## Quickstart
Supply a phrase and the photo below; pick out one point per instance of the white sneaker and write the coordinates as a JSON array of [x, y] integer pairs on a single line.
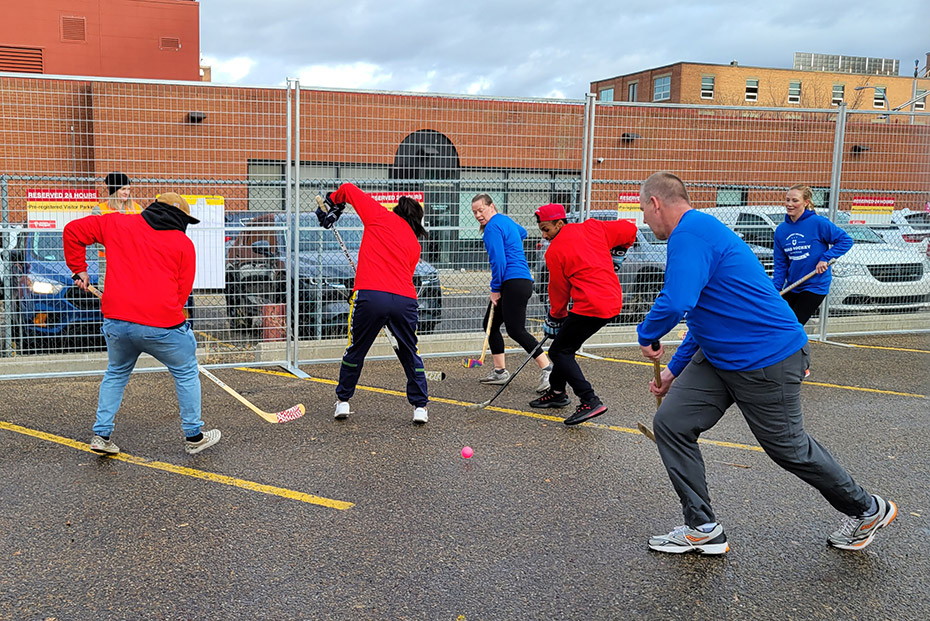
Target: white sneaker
[[342, 410], [210, 438], [420, 416], [103, 447]]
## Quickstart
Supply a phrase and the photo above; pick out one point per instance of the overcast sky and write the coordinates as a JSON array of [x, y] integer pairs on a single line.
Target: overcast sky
[[536, 48]]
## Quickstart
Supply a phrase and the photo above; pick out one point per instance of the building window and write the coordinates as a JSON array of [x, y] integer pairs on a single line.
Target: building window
[[606, 94], [752, 90], [707, 87], [838, 91], [632, 91], [878, 100], [662, 88], [794, 91], [921, 104], [732, 196]]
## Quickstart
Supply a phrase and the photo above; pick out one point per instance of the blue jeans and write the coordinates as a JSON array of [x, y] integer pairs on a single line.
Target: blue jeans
[[175, 348]]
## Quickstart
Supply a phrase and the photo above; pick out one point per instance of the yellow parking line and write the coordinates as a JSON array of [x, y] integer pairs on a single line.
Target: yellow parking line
[[188, 472], [917, 351], [808, 382], [491, 408]]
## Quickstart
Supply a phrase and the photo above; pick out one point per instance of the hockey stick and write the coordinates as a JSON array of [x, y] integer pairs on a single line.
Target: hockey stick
[[471, 362], [484, 404], [804, 279], [657, 370], [283, 416], [430, 375]]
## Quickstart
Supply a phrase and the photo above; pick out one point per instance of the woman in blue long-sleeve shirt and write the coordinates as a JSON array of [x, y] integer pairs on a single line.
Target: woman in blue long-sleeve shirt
[[511, 288], [805, 242]]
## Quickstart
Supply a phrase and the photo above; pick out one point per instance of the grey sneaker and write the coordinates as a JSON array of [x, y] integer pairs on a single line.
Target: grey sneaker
[[857, 532], [420, 416], [209, 439], [543, 385], [496, 377], [104, 447], [687, 539]]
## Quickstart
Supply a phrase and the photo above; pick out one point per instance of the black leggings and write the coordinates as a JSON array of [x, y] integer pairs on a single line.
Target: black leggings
[[511, 312], [574, 332], [804, 304]]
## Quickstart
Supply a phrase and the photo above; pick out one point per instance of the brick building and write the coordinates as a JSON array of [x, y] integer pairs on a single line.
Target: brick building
[[153, 39], [801, 87]]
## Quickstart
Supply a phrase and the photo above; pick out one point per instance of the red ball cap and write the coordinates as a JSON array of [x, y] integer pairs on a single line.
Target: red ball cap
[[552, 211]]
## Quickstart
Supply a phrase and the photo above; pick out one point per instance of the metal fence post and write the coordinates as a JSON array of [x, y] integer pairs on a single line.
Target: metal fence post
[[6, 279], [835, 175], [582, 194], [589, 153]]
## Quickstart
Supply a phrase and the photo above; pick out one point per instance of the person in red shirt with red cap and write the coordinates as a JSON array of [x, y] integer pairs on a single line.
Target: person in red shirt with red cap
[[384, 293], [581, 271]]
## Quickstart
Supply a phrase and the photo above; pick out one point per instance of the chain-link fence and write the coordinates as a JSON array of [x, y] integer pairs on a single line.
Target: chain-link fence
[[272, 286]]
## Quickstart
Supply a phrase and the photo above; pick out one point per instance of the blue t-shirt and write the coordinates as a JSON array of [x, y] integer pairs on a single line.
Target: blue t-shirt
[[503, 239], [715, 282], [800, 245]]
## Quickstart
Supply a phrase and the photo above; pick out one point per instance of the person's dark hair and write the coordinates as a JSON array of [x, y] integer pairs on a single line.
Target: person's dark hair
[[412, 213]]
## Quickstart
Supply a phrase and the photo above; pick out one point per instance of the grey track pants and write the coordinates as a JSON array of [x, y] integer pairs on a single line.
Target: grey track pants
[[770, 400]]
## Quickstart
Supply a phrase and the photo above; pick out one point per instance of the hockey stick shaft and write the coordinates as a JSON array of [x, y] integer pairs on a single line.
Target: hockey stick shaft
[[804, 279], [532, 354], [487, 333], [290, 413]]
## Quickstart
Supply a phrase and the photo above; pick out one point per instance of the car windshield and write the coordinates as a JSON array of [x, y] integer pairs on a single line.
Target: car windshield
[[776, 216], [862, 234], [919, 220], [312, 236], [48, 246]]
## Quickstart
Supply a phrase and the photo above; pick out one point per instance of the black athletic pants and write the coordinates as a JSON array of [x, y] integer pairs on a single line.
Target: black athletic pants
[[804, 304], [575, 331], [511, 312]]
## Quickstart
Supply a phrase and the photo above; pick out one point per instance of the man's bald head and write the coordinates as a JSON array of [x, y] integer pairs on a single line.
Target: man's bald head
[[663, 199], [666, 186]]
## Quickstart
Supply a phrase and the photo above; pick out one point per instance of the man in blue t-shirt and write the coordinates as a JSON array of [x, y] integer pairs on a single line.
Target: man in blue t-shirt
[[744, 346]]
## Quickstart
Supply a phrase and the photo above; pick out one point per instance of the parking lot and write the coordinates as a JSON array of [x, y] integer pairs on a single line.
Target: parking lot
[[374, 518]]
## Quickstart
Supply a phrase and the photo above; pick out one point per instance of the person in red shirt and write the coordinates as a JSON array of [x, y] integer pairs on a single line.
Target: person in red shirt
[[384, 294], [151, 263], [581, 271]]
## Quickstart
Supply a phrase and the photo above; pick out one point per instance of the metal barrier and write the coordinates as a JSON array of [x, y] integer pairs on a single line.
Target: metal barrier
[[272, 285]]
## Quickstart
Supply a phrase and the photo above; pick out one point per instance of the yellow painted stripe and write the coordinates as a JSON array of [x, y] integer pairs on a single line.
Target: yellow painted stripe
[[188, 472], [917, 351], [810, 383], [861, 389], [491, 408]]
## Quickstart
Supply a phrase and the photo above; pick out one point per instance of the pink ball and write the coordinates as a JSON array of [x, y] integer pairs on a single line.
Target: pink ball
[[467, 452]]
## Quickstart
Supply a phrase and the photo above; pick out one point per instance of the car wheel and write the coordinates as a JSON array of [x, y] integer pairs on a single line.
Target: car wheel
[[644, 292]]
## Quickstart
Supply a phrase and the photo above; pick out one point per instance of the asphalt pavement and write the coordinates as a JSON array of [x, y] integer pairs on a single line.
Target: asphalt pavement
[[376, 518]]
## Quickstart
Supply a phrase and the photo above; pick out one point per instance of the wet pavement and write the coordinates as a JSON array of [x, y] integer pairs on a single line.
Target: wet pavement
[[375, 518]]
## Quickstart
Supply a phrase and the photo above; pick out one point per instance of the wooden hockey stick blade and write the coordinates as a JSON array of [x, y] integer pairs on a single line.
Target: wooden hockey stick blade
[[646, 431], [292, 413], [479, 406]]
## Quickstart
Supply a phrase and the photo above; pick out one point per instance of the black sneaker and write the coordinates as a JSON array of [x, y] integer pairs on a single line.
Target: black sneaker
[[552, 399], [586, 410]]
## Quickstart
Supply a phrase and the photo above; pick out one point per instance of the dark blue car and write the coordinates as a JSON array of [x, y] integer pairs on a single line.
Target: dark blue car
[[47, 311]]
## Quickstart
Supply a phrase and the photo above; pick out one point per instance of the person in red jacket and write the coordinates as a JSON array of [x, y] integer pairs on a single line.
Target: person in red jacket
[[384, 294], [581, 271], [151, 265]]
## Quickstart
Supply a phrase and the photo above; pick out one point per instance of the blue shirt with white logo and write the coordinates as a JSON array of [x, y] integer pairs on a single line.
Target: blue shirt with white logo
[[800, 245]]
